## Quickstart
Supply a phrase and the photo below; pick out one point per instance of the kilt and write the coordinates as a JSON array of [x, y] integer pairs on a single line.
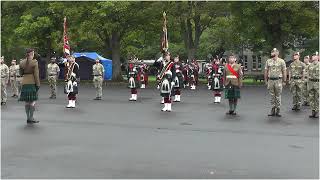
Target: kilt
[[28, 93], [232, 92]]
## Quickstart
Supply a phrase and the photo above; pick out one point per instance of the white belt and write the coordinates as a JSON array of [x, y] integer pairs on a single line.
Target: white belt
[[232, 77]]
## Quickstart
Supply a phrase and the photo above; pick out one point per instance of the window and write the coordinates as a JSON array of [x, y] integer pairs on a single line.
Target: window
[[245, 62], [259, 63], [254, 63]]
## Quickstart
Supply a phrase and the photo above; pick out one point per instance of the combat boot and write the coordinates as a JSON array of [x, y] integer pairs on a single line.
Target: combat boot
[[313, 114], [272, 112], [230, 112], [278, 112]]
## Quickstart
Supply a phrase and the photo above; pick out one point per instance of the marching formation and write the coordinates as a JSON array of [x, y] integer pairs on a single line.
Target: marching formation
[[173, 76]]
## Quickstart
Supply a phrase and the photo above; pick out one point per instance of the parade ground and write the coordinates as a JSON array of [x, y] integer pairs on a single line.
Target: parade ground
[[115, 138]]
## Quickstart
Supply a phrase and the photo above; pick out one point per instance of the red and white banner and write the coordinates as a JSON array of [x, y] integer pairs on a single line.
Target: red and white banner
[[66, 46]]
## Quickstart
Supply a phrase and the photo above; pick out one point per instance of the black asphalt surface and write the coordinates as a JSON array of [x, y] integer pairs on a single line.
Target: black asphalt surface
[[115, 138]]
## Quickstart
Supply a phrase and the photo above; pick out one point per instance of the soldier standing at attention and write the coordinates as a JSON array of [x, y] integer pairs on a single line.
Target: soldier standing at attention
[[313, 85], [296, 79], [305, 94], [98, 76], [233, 82], [53, 71], [275, 77], [4, 81], [13, 78]]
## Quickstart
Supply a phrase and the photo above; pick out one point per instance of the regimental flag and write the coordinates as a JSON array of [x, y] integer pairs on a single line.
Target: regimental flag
[[164, 39], [66, 46]]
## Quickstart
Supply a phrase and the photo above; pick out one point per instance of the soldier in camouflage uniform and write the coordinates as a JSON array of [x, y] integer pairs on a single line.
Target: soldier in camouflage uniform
[[296, 79], [53, 71], [305, 94], [4, 81], [313, 85], [18, 77], [13, 78], [98, 76], [275, 77]]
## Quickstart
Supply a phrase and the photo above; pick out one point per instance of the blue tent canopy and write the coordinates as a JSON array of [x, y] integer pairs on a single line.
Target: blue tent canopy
[[92, 56]]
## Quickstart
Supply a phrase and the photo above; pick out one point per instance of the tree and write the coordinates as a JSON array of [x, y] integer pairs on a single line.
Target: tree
[[41, 27], [220, 37], [110, 23], [194, 18], [12, 47], [281, 24]]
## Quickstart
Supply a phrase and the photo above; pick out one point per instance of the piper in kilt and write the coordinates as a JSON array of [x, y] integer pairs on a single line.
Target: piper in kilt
[[71, 77], [185, 73], [143, 75], [193, 74], [233, 83], [30, 84], [167, 77], [178, 80], [133, 79], [208, 72], [217, 80]]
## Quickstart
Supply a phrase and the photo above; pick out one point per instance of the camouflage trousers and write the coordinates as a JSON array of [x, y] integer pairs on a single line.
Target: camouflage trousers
[[296, 90], [97, 82], [313, 89], [305, 93], [14, 85], [275, 90], [19, 85], [3, 90], [53, 85]]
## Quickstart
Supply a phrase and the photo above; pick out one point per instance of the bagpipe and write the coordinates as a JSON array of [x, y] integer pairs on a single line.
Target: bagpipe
[[134, 74], [217, 77], [71, 79]]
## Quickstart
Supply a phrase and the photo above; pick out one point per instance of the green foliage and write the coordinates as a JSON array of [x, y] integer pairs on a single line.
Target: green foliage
[[280, 24], [219, 27]]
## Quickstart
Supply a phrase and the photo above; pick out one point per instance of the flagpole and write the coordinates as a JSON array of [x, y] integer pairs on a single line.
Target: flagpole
[[164, 40], [66, 46]]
